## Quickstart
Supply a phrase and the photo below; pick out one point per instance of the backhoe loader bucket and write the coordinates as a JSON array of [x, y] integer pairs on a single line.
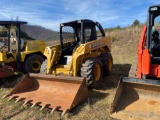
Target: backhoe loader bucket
[[55, 92], [136, 99]]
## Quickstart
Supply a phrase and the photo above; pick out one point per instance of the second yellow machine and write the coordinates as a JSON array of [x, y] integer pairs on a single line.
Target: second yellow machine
[[18, 53]]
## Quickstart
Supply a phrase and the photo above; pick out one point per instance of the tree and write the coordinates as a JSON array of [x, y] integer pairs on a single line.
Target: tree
[[136, 23], [118, 27]]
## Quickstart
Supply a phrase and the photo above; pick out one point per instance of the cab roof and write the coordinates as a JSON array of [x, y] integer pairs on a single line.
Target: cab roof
[[12, 22], [73, 23]]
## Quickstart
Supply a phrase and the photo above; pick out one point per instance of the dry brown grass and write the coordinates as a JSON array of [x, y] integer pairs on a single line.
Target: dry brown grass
[[97, 105], [124, 45]]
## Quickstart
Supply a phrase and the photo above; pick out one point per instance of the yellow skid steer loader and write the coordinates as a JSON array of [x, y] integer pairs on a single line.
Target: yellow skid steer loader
[[81, 59]]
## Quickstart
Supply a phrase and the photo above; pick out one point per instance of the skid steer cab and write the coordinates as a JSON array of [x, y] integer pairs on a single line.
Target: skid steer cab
[[139, 98], [19, 52], [81, 59]]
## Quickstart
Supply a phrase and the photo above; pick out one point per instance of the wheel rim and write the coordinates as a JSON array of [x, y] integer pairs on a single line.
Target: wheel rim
[[97, 72], [110, 65], [36, 65]]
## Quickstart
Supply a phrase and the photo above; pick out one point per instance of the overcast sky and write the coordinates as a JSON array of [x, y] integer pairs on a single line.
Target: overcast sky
[[50, 13]]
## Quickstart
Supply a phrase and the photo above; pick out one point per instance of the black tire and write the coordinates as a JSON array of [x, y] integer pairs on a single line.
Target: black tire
[[107, 62], [93, 72], [43, 69], [33, 64]]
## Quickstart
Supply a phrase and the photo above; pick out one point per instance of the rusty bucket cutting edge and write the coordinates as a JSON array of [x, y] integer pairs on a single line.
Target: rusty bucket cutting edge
[[136, 99], [55, 92]]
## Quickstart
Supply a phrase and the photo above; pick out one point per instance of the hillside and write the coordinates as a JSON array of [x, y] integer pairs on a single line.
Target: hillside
[[38, 32], [97, 105], [124, 43]]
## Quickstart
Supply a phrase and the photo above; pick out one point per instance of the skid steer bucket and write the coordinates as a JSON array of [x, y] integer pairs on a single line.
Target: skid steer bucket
[[136, 99], [55, 92]]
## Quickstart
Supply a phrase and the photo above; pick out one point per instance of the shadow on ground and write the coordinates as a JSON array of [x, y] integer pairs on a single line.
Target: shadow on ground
[[13, 114], [111, 81], [10, 82], [93, 98]]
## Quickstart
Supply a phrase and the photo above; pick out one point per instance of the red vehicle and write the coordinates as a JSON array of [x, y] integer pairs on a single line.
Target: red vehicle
[[139, 98]]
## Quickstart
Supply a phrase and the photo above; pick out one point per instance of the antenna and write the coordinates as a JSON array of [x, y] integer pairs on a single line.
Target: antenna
[[12, 17], [17, 18]]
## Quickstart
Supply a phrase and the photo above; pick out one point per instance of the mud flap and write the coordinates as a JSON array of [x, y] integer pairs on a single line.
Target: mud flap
[[136, 99], [49, 91]]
